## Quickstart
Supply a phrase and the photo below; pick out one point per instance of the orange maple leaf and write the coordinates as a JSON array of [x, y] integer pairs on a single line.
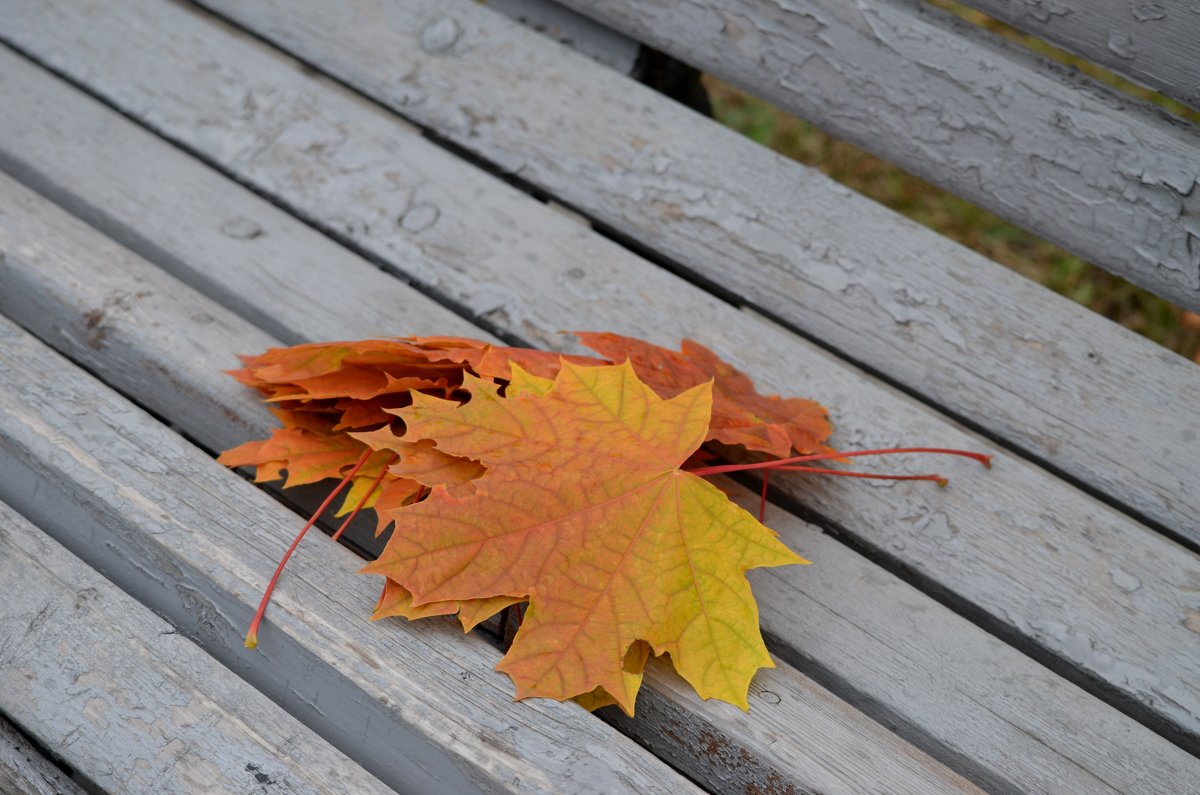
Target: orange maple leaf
[[584, 509], [740, 415], [396, 600], [568, 493], [320, 390]]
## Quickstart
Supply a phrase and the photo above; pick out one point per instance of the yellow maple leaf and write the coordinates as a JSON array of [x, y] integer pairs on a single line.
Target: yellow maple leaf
[[584, 508]]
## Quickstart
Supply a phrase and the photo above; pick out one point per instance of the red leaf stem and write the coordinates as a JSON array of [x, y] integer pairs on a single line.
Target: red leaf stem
[[982, 458], [252, 633], [374, 485]]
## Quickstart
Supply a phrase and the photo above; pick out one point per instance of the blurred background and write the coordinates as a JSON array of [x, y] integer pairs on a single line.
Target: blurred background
[[962, 221]]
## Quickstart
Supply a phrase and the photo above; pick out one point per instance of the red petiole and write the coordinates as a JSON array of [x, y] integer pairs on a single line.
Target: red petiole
[[762, 503], [784, 464], [374, 485], [781, 463], [252, 634], [938, 479], [790, 465]]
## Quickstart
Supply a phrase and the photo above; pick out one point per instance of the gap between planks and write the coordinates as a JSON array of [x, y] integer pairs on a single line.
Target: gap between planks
[[1153, 44], [25, 770]]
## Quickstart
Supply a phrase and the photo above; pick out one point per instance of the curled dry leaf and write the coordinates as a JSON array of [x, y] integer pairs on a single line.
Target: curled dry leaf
[[328, 388]]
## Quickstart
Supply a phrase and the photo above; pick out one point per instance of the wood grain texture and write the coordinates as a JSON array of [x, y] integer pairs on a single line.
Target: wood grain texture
[[567, 27], [1083, 586], [1100, 403], [118, 694], [23, 769], [1152, 43], [814, 742], [1087, 167], [194, 542], [944, 683]]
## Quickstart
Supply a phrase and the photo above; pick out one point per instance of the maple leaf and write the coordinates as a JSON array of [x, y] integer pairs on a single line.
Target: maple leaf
[[584, 510], [396, 600], [740, 415], [327, 388], [322, 389], [340, 403], [306, 455], [421, 460]]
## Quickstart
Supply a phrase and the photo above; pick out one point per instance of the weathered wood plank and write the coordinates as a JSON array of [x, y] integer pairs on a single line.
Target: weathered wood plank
[[1101, 174], [118, 694], [1152, 43], [887, 763], [571, 28], [250, 253], [194, 542], [964, 696], [805, 740], [939, 679], [24, 771], [968, 334], [1063, 590]]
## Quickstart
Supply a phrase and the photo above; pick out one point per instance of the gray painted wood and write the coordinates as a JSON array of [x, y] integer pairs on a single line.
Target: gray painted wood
[[965, 332], [1072, 580], [24, 771], [570, 28], [247, 255], [118, 694], [1152, 43], [941, 681], [159, 308], [1087, 167], [161, 518], [944, 683], [416, 704]]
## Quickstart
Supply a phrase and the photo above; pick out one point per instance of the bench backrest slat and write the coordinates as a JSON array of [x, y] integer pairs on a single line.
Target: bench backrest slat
[[1107, 177], [1156, 44]]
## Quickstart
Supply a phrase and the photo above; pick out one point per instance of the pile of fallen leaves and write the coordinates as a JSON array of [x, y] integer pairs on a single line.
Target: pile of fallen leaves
[[571, 484]]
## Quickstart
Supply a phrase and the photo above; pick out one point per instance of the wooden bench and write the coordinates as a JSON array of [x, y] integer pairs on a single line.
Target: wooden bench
[[184, 182]]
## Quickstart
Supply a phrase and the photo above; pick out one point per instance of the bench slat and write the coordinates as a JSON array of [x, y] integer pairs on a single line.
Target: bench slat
[[963, 331], [801, 739], [514, 263], [1084, 166], [194, 542], [24, 771], [576, 31], [895, 650], [1154, 44], [136, 707], [832, 747]]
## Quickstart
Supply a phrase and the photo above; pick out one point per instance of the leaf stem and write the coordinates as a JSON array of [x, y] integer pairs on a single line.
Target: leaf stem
[[374, 485], [762, 502], [982, 458], [252, 633], [941, 481]]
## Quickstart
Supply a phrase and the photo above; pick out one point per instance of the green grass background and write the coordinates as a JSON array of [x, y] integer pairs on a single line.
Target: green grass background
[[962, 221]]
